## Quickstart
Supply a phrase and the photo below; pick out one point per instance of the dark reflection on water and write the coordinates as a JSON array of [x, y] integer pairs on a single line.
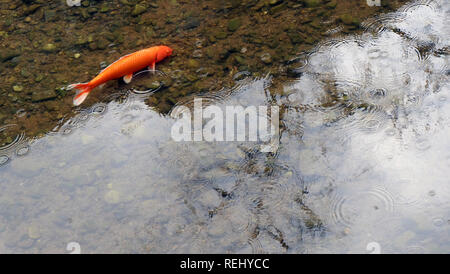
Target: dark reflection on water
[[362, 162]]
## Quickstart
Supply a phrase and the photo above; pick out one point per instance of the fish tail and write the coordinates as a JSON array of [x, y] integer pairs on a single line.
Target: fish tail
[[83, 90]]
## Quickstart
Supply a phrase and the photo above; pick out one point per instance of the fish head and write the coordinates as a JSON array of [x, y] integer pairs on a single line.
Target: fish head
[[163, 52]]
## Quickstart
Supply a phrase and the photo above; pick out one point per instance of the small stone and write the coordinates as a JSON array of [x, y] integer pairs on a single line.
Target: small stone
[[85, 14], [104, 9], [92, 10], [81, 40], [266, 58], [6, 55], [73, 3], [349, 20], [332, 4], [125, 2], [25, 73], [277, 8], [92, 46], [191, 23], [153, 85], [212, 39], [275, 2], [39, 78], [220, 35], [234, 24], [102, 43], [138, 10], [50, 15], [193, 63], [31, 9], [312, 3], [295, 37], [38, 96], [240, 60], [49, 48], [17, 88], [77, 55]]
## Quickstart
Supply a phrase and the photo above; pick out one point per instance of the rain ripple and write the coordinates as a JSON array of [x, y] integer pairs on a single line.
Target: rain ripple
[[349, 209], [12, 146]]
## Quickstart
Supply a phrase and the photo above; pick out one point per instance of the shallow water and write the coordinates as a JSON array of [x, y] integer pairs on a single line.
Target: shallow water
[[362, 163]]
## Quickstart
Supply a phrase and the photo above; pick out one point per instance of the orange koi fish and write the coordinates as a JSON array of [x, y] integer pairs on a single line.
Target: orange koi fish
[[123, 67]]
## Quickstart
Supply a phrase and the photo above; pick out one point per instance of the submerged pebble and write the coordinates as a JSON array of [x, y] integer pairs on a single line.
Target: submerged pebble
[[17, 88], [49, 48], [138, 10], [266, 58], [234, 24], [73, 3]]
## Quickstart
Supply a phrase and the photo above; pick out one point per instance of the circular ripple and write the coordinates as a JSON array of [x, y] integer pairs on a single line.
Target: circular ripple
[[378, 93], [13, 145], [66, 130], [23, 150], [438, 222], [404, 193], [240, 218], [423, 144], [99, 108], [415, 250], [256, 246], [18, 141], [381, 23], [148, 82], [375, 204], [4, 159], [83, 116], [362, 122], [372, 125], [241, 75], [390, 132]]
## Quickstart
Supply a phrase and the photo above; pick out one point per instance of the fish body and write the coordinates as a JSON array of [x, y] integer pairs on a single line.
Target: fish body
[[123, 67]]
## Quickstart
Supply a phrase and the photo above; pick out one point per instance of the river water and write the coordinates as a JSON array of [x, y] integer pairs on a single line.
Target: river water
[[362, 163]]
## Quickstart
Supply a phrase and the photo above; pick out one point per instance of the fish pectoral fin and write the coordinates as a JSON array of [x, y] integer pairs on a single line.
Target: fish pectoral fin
[[127, 78], [152, 67], [102, 85]]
